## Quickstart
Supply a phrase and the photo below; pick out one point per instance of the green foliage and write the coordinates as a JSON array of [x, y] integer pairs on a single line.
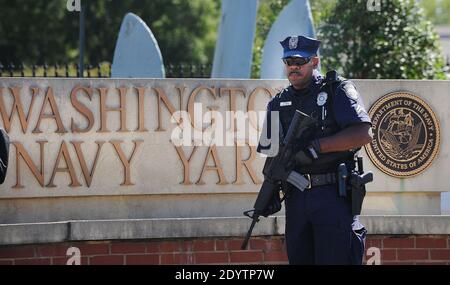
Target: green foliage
[[28, 29], [396, 42], [437, 11], [320, 8], [38, 31]]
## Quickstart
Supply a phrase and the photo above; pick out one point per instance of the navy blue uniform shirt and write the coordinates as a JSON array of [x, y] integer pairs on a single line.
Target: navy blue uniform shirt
[[347, 106]]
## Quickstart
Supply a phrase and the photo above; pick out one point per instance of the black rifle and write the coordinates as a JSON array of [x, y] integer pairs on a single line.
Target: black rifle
[[4, 154], [279, 169]]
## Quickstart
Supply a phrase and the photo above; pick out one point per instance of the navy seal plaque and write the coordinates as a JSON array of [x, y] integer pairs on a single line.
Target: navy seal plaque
[[406, 135]]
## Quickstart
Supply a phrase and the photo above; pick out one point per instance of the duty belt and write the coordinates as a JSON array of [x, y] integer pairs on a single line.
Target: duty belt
[[308, 181]]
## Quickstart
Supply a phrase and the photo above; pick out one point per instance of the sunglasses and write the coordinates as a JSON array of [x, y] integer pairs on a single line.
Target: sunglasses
[[298, 61]]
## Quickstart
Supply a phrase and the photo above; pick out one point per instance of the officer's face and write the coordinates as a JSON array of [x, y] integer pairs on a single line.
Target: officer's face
[[300, 75]]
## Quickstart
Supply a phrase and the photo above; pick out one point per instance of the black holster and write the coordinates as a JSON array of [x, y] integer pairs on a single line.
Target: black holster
[[353, 185], [357, 192]]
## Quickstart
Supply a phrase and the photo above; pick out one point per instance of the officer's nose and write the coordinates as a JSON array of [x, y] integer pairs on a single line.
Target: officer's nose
[[294, 67]]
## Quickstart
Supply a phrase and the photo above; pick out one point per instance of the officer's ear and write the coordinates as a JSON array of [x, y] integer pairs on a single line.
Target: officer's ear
[[315, 61]]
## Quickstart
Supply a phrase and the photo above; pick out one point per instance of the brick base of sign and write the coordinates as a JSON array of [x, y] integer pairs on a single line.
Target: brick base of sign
[[393, 249]]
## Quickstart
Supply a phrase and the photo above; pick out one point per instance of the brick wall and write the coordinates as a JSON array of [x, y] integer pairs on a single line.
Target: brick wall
[[262, 250], [413, 249]]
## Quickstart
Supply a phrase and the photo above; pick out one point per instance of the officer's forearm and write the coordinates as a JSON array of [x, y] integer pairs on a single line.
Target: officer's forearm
[[351, 137]]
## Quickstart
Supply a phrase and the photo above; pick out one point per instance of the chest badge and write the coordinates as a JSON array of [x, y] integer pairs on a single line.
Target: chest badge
[[287, 103], [322, 98]]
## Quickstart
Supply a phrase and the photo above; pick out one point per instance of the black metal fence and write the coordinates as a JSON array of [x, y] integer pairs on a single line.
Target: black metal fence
[[101, 70]]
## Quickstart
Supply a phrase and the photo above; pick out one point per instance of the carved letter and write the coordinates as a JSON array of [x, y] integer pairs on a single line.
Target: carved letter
[[64, 152], [247, 164], [87, 174], [82, 109], [126, 162], [141, 111], [217, 167], [21, 152], [185, 161], [251, 105], [17, 104], [191, 102], [50, 98], [232, 92], [162, 96], [122, 109]]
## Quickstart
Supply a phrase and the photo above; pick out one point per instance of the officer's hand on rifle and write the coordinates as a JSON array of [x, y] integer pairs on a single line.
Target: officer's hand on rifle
[[274, 205], [308, 154]]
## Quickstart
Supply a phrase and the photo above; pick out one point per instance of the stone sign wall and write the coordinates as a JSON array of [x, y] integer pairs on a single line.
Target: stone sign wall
[[110, 148]]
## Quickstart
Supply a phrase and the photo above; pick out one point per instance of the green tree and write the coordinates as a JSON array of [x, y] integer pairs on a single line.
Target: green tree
[[38, 31], [320, 8], [185, 30], [396, 42], [30, 30]]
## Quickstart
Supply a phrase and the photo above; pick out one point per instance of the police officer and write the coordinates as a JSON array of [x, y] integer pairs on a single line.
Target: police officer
[[4, 154], [320, 227]]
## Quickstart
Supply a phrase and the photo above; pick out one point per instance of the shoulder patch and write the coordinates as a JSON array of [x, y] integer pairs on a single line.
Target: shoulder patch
[[350, 91], [275, 98], [279, 94], [271, 100]]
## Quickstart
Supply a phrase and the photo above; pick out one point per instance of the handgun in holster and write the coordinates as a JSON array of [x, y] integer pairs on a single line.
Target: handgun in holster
[[354, 184]]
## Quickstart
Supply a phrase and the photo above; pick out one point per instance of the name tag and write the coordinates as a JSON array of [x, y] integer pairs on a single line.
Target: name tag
[[288, 103]]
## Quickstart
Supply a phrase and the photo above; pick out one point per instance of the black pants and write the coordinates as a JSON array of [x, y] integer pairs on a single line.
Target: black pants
[[319, 228]]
